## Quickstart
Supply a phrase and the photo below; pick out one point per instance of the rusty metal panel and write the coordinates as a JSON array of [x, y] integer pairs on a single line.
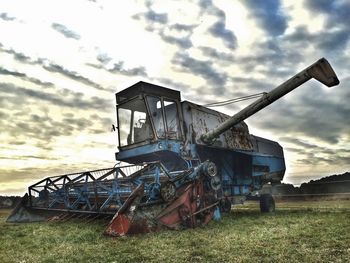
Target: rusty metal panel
[[200, 120], [265, 146]]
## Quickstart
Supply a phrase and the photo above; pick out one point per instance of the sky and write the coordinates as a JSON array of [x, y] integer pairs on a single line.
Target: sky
[[61, 62]]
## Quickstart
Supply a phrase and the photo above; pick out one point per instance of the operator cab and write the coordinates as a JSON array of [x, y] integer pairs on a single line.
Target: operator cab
[[147, 113]]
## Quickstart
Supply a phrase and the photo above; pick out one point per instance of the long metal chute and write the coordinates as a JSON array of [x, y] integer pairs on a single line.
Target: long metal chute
[[320, 70]]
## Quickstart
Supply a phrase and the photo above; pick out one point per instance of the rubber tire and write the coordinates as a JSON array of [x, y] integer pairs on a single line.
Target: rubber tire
[[225, 205], [267, 203], [168, 191]]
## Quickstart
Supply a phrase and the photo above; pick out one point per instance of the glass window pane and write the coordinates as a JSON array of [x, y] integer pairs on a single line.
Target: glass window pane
[[124, 116], [142, 128], [172, 119], [134, 123], [154, 105]]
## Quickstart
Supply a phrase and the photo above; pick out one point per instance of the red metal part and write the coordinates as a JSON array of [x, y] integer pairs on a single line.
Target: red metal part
[[122, 221], [119, 226], [191, 208]]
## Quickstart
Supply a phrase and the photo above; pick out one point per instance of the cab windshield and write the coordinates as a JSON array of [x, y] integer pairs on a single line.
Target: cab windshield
[[134, 123]]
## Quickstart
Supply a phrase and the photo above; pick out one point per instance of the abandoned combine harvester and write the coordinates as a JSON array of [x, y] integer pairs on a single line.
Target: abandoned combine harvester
[[186, 164]]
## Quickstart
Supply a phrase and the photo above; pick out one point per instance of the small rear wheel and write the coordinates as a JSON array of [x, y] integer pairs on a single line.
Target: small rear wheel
[[225, 205], [267, 203]]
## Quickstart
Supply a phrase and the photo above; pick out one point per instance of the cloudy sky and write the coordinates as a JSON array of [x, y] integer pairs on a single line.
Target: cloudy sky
[[62, 61]]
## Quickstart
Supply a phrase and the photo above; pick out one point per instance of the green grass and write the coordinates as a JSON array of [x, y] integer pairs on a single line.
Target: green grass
[[297, 232]]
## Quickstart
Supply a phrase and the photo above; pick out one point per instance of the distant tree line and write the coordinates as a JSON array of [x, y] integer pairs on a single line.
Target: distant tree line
[[9, 201], [334, 184]]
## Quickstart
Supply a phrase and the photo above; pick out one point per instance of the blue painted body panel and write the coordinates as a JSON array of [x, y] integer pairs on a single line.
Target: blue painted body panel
[[237, 169]]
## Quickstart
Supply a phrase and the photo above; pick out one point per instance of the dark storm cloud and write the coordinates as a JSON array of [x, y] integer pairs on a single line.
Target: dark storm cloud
[[216, 54], [66, 99], [314, 154], [65, 31], [297, 122], [156, 17], [314, 113], [20, 57], [219, 28], [332, 41], [202, 68], [309, 148], [152, 17], [6, 17], [181, 42], [298, 142], [16, 142], [96, 66], [314, 160], [323, 6], [336, 11], [104, 58], [42, 127], [327, 41], [336, 35], [119, 68], [182, 27], [208, 7], [25, 77], [252, 85], [276, 59], [268, 13], [11, 73], [289, 149], [158, 23], [55, 68], [329, 160], [274, 65]]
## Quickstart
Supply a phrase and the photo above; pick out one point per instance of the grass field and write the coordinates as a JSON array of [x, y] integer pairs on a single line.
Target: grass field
[[296, 232]]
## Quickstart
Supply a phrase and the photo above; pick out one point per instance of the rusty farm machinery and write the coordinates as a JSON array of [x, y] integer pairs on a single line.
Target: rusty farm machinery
[[185, 164]]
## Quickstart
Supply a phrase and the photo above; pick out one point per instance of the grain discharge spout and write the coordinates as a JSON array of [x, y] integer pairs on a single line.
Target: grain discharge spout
[[320, 70]]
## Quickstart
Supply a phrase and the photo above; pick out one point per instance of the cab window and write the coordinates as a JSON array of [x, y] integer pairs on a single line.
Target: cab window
[[172, 119], [155, 106], [134, 124]]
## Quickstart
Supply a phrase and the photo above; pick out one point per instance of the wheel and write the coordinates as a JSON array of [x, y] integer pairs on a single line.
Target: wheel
[[225, 205], [210, 169], [215, 183], [168, 191], [267, 203]]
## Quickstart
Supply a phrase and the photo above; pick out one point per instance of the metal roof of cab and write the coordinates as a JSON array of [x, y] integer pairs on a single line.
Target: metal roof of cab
[[142, 87]]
